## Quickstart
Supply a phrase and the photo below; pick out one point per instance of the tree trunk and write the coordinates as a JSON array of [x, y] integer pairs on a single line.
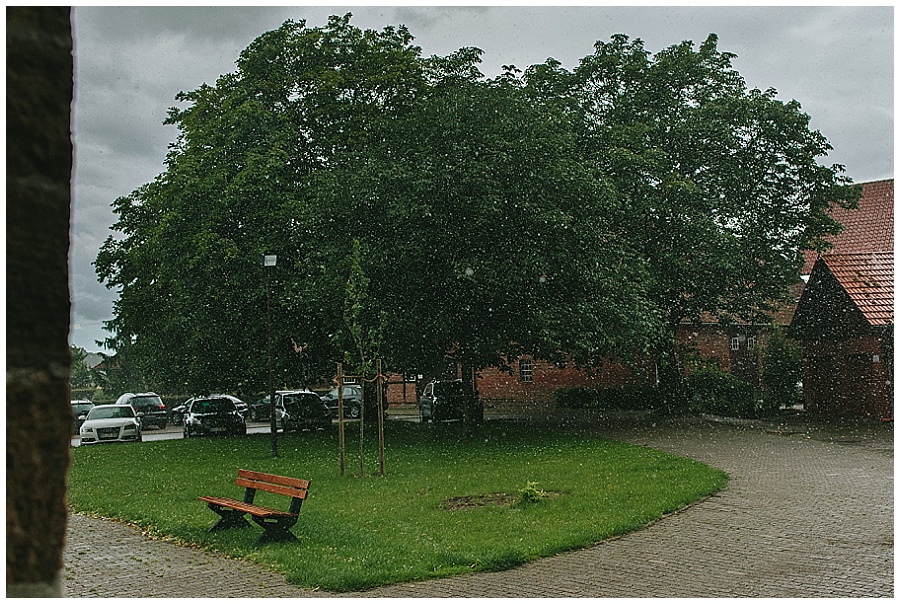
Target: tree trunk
[[671, 380], [473, 414], [38, 416]]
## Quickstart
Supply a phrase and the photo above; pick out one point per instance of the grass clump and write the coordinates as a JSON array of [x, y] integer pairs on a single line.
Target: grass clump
[[451, 502]]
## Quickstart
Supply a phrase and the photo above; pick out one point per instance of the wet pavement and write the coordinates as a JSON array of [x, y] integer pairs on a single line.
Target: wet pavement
[[808, 513]]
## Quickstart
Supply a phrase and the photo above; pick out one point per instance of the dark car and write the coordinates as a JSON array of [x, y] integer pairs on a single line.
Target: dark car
[[261, 410], [213, 415], [179, 411], [352, 396], [80, 410], [148, 407], [300, 410], [442, 400]]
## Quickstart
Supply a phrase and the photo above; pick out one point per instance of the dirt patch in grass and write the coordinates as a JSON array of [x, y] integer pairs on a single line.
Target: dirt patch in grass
[[468, 502]]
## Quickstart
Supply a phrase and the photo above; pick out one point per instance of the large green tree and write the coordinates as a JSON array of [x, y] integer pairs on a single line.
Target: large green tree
[[720, 187], [587, 212], [191, 307], [487, 234], [483, 230]]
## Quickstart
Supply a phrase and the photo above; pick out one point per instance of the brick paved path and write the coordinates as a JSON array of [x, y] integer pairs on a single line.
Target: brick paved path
[[808, 513]]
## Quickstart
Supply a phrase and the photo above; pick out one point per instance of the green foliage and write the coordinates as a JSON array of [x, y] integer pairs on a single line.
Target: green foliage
[[721, 188], [356, 533], [80, 375], [529, 494], [782, 369], [630, 397], [709, 390], [583, 212], [364, 326]]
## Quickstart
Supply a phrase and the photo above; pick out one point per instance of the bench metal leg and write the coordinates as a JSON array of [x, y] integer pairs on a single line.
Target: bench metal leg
[[276, 531], [228, 519]]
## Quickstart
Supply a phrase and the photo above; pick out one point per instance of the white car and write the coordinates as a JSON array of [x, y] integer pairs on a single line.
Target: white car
[[110, 423]]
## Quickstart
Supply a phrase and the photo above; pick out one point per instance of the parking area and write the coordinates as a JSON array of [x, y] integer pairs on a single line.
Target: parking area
[[808, 513]]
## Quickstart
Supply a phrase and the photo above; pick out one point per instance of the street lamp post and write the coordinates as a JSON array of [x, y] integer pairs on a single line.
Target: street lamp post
[[268, 263]]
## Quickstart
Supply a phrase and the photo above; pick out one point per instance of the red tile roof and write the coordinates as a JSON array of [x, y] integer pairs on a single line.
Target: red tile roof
[[870, 228], [869, 280]]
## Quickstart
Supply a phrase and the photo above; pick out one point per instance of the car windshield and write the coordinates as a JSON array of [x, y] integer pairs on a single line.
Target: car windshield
[[449, 389], [146, 400], [118, 411], [82, 408], [216, 405], [296, 399]]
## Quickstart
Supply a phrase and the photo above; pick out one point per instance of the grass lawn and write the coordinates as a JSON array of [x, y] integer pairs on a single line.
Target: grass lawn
[[434, 513]]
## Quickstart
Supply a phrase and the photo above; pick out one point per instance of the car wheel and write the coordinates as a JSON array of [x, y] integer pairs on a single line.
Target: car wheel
[[354, 412]]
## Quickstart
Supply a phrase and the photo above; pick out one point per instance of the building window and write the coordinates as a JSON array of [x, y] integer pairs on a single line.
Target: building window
[[751, 342], [735, 343], [525, 370]]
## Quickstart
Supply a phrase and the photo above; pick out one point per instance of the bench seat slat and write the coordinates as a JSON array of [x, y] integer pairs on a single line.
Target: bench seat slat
[[249, 508]]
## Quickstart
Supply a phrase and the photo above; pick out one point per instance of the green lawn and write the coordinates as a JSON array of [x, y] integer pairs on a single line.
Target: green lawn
[[357, 532]]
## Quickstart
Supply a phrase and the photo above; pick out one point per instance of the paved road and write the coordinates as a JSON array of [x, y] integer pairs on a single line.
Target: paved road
[[808, 513]]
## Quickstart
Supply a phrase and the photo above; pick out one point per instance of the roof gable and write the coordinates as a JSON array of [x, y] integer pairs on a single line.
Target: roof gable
[[870, 228], [847, 294], [869, 281]]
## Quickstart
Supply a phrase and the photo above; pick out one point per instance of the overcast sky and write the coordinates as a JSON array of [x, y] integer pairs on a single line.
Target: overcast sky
[[131, 62]]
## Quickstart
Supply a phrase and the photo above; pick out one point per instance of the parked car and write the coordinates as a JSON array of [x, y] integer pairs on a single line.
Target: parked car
[[213, 415], [260, 411], [352, 396], [442, 400], [148, 406], [179, 411], [300, 410], [110, 423], [80, 410]]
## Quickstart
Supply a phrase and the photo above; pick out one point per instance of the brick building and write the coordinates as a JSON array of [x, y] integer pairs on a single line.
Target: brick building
[[533, 382], [845, 320], [845, 317], [733, 348]]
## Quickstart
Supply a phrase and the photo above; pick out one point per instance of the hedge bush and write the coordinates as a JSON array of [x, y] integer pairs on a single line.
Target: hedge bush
[[709, 390]]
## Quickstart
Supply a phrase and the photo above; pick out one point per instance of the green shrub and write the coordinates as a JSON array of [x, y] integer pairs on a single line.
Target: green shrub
[[782, 369], [710, 390], [530, 494]]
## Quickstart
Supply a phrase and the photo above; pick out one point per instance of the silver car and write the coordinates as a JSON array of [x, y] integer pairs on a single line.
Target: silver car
[[110, 423]]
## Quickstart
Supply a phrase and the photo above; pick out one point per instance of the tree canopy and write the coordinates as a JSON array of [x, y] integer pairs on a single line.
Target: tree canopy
[[556, 212]]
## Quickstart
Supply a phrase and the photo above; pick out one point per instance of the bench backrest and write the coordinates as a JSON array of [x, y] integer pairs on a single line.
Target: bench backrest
[[295, 488]]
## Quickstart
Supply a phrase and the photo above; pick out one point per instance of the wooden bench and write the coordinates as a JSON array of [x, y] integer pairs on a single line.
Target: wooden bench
[[276, 524]]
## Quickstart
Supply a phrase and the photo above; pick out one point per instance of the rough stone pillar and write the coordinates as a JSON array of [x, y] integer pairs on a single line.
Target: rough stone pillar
[[39, 69]]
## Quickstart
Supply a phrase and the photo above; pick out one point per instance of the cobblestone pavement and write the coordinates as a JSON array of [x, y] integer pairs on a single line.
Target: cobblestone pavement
[[808, 513]]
